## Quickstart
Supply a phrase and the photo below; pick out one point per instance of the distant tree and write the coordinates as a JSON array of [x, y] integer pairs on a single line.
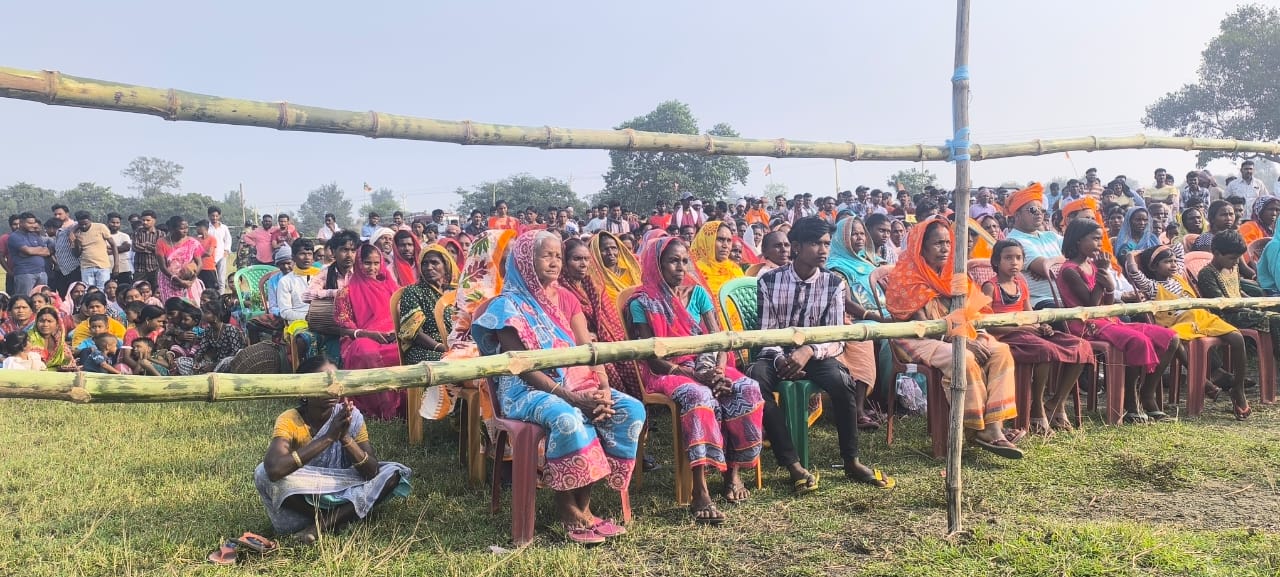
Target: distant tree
[[382, 201], [191, 206], [236, 209], [913, 179], [326, 198], [639, 179], [520, 191], [22, 197], [1237, 92], [151, 175], [98, 200], [773, 189]]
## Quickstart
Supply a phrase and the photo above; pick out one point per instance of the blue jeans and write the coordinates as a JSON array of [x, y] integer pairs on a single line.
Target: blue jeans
[[96, 277], [23, 283]]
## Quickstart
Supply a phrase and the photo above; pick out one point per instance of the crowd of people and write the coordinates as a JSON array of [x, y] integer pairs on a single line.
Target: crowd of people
[[157, 300]]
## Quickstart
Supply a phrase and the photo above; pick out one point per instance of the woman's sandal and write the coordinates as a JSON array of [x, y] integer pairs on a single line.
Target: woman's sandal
[[607, 528], [805, 485], [1242, 413], [707, 515], [1000, 448], [257, 543], [582, 535], [224, 555], [1014, 435], [736, 493], [876, 479]]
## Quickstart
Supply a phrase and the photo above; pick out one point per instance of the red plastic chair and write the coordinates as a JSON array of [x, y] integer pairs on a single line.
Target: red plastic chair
[[1112, 367], [1262, 341], [524, 439]]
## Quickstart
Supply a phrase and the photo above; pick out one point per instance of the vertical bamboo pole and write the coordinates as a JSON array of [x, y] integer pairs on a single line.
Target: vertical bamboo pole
[[835, 164], [960, 125]]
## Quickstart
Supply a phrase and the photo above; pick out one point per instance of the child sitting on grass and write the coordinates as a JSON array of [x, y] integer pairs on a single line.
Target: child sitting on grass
[[102, 356], [148, 360], [18, 357]]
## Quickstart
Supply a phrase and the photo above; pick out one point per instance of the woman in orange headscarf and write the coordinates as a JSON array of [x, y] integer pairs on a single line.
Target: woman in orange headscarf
[[710, 251], [918, 289]]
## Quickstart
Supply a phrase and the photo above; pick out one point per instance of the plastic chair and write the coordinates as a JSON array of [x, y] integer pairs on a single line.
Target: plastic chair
[[245, 284], [263, 294], [524, 439], [1193, 263], [468, 402], [981, 271], [1107, 355], [413, 395], [1197, 372], [792, 396]]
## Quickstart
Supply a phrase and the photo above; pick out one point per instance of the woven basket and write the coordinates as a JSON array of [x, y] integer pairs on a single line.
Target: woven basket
[[258, 359]]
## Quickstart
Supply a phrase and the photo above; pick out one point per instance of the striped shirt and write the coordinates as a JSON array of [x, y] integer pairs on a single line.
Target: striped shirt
[[786, 300], [66, 260], [144, 250]]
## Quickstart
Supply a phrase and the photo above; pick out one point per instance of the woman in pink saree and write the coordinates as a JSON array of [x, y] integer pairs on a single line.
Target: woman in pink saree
[[363, 310], [179, 263]]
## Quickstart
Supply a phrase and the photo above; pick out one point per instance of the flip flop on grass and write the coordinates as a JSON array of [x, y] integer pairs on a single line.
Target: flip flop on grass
[[707, 515], [1001, 448], [224, 555], [805, 485], [876, 479]]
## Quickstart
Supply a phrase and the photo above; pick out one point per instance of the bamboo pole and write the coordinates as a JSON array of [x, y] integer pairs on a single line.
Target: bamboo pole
[[218, 387], [960, 258], [58, 89]]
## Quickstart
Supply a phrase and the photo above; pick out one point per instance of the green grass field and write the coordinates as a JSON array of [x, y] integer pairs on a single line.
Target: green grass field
[[143, 490]]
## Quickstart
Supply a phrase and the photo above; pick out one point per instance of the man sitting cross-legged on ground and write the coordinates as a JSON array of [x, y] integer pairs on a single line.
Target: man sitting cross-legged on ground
[[804, 294]]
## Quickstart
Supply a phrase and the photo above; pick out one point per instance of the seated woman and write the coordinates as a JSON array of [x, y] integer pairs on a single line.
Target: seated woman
[[710, 252], [1220, 216], [595, 274], [320, 472], [220, 341], [1038, 345], [720, 409], [1160, 276], [919, 288], [48, 339], [849, 259], [1146, 349], [363, 313], [592, 430], [420, 338], [95, 304], [21, 315], [1263, 224], [1135, 233]]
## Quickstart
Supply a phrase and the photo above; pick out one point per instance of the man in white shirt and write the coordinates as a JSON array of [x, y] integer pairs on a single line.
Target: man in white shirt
[[615, 223], [330, 227], [1247, 187], [222, 245], [292, 287], [122, 267], [597, 221]]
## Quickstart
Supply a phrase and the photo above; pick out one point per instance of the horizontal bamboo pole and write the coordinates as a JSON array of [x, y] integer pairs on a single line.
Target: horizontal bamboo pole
[[58, 89], [104, 388]]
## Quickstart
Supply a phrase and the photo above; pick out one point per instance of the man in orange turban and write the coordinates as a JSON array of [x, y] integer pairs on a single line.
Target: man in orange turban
[[1020, 198]]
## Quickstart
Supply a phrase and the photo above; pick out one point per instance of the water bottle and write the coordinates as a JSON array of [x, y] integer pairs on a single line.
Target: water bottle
[[912, 389]]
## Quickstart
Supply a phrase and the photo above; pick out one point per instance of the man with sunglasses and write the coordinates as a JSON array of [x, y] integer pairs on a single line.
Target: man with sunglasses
[[1042, 248]]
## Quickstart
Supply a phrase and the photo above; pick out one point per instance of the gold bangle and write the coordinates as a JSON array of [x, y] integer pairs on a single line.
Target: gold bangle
[[296, 459], [363, 461]]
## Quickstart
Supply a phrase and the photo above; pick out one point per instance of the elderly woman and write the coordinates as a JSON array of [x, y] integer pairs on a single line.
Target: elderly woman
[[368, 330], [595, 274], [720, 409], [920, 288], [420, 337], [864, 302], [320, 471], [1263, 224], [592, 430]]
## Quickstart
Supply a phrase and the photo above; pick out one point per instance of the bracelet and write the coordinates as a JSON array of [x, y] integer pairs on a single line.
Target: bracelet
[[355, 334], [363, 461], [296, 459]]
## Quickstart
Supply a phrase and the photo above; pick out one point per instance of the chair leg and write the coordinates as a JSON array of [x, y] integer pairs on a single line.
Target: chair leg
[[893, 414], [524, 487], [1023, 375], [938, 413], [1197, 374], [1115, 392], [495, 483], [475, 455], [413, 399], [637, 477], [795, 403], [1266, 365], [683, 473]]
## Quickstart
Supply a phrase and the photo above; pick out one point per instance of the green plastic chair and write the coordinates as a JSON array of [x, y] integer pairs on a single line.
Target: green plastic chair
[[792, 396], [245, 282]]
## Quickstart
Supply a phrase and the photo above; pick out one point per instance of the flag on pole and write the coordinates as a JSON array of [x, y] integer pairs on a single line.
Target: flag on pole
[[1067, 154], [768, 169], [368, 188]]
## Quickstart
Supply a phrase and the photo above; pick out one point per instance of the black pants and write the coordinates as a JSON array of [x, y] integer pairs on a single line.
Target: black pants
[[209, 278], [149, 276], [61, 282], [124, 278], [833, 378]]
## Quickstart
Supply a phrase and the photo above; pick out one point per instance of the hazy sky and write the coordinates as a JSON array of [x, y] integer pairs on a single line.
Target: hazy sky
[[870, 72]]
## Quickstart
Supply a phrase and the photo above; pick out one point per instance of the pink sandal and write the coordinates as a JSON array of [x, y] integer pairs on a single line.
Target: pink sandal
[[607, 528], [582, 535]]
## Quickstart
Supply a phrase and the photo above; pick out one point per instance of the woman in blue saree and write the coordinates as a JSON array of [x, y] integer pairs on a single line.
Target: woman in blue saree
[[592, 430]]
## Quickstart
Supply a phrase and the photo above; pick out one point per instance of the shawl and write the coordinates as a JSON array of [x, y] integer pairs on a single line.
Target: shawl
[[1091, 203], [480, 280], [366, 299], [662, 306], [68, 305], [1253, 230], [525, 306], [913, 283], [750, 254], [405, 271], [53, 352], [605, 279], [411, 321], [1126, 242], [856, 267], [714, 274], [984, 244]]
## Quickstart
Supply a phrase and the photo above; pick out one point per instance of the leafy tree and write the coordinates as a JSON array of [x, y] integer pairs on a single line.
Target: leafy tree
[[98, 200], [773, 189], [382, 201], [236, 209], [151, 175], [326, 198], [913, 179], [1237, 92], [639, 179], [520, 191], [23, 197]]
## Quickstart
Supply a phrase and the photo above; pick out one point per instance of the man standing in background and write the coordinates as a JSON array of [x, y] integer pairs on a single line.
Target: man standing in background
[[221, 234]]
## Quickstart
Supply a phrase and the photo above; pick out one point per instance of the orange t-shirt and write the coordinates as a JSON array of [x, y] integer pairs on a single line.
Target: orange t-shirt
[[210, 245]]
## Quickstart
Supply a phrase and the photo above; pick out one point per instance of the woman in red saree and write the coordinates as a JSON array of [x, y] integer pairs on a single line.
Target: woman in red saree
[[405, 258], [363, 311]]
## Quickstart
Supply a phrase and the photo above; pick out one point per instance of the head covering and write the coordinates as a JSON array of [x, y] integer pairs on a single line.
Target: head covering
[[1020, 198], [985, 242], [703, 252], [913, 283], [843, 258], [459, 255], [604, 278], [649, 235], [450, 268], [749, 256], [68, 305], [1260, 205], [368, 297], [1126, 241], [406, 270], [663, 309], [379, 233], [1092, 204]]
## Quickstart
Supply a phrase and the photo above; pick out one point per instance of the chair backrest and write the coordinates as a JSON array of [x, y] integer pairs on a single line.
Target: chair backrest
[[245, 283], [624, 301], [262, 288], [1055, 270], [1194, 261], [742, 293], [980, 270], [395, 320], [1255, 249], [1188, 240]]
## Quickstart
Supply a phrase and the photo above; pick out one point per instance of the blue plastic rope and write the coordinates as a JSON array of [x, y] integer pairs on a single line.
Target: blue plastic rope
[[959, 145], [962, 73]]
